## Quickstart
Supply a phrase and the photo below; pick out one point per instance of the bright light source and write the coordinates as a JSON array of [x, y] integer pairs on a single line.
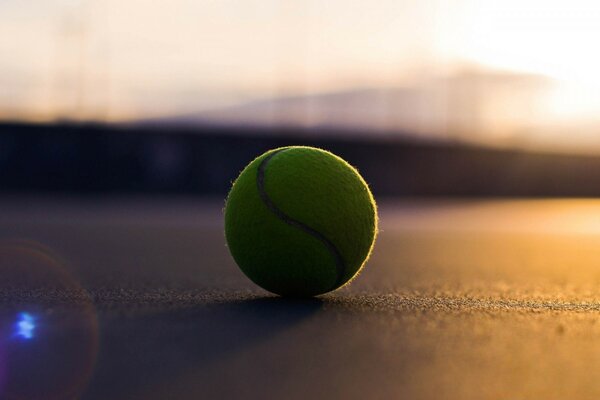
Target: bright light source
[[25, 326]]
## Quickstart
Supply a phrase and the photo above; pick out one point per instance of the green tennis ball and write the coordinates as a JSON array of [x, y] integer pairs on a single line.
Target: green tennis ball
[[300, 221]]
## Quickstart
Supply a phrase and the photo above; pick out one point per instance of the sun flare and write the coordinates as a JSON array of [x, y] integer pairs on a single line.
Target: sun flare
[[553, 38]]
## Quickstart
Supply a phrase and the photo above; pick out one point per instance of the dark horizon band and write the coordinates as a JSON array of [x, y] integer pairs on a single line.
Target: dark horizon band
[[260, 181]]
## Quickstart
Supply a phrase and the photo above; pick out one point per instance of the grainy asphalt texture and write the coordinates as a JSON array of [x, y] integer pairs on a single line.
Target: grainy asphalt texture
[[461, 300]]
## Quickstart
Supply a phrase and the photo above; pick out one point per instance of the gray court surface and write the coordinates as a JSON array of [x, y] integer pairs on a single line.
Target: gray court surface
[[139, 299]]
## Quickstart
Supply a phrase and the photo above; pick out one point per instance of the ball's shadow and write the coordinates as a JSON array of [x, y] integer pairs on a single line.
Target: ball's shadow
[[159, 346]]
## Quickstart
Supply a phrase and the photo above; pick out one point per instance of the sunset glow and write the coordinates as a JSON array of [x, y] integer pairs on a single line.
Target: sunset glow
[[531, 66], [553, 38]]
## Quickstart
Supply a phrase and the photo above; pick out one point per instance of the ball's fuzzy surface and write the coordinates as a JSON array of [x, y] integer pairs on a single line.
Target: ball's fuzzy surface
[[300, 221]]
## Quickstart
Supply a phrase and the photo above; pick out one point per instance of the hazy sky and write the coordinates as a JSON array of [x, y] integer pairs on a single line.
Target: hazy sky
[[123, 59], [153, 56]]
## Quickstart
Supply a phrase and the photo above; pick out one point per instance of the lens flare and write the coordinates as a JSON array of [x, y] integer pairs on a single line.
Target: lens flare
[[25, 326], [48, 326]]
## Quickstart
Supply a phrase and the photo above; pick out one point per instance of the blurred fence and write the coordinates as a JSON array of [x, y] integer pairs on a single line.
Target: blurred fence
[[96, 160]]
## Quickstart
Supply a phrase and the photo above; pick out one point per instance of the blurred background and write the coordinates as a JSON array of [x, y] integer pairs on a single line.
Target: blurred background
[[461, 98], [123, 124]]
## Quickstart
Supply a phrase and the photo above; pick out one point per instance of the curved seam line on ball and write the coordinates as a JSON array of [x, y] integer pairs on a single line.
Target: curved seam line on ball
[[260, 181]]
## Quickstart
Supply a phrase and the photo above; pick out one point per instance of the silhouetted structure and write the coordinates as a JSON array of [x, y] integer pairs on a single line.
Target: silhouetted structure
[[94, 159]]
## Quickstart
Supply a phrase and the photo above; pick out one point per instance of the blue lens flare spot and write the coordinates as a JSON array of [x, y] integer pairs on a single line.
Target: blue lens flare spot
[[25, 326]]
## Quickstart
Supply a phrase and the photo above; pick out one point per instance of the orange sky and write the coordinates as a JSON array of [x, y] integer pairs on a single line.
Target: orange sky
[[128, 59]]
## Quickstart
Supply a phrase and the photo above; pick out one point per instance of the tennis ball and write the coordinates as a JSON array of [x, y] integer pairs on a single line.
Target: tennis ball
[[300, 221]]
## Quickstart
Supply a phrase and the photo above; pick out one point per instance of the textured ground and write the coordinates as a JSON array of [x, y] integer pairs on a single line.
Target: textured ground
[[461, 300]]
